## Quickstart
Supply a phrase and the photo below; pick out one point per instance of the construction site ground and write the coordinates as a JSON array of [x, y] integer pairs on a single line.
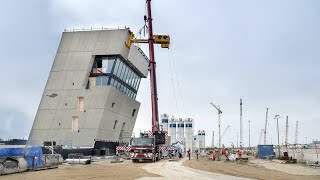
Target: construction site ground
[[202, 168], [101, 169], [256, 169]]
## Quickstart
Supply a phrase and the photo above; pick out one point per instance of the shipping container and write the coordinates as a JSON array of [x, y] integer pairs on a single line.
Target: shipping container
[[264, 151]]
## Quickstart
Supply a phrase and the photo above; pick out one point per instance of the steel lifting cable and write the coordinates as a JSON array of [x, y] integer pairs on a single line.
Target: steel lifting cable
[[177, 79], [173, 87]]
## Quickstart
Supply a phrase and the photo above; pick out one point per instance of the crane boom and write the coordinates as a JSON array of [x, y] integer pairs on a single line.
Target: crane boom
[[224, 132], [164, 41], [262, 132], [219, 111]]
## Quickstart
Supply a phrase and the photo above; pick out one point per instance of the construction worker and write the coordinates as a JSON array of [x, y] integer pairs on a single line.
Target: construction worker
[[197, 153], [189, 151], [239, 154], [223, 152], [214, 154]]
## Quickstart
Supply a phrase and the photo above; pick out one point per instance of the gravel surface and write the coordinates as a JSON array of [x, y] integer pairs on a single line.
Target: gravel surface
[[256, 169], [101, 169]]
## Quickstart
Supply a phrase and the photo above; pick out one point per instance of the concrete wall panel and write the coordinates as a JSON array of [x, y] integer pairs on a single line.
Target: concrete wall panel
[[93, 117], [138, 60], [112, 42]]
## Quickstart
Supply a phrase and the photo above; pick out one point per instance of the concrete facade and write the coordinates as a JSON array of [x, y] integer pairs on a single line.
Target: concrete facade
[[106, 113]]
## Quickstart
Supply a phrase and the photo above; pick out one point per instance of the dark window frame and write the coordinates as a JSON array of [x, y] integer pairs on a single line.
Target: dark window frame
[[115, 124]]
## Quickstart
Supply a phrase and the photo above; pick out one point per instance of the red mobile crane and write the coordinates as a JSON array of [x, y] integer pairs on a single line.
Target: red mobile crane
[[146, 147]]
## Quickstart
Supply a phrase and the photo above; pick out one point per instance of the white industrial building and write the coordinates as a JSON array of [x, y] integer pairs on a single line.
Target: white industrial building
[[199, 141], [180, 131], [91, 90]]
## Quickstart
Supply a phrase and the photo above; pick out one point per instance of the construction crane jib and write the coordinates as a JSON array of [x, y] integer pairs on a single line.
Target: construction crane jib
[[224, 132], [219, 111]]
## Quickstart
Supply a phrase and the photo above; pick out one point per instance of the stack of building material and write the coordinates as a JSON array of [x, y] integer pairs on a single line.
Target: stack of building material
[[32, 155]]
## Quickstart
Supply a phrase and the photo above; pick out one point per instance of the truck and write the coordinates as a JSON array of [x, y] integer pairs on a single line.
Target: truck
[[146, 148]]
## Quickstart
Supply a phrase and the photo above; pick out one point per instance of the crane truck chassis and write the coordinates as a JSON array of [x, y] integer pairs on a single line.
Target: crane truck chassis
[[146, 148]]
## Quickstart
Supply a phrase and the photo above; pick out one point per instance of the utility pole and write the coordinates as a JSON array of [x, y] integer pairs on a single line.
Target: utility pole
[[249, 133], [265, 128], [241, 130], [219, 112], [277, 117], [287, 129], [219, 126], [237, 140], [296, 134]]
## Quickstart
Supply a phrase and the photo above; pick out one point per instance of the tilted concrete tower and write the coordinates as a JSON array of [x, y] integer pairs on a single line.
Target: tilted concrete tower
[[91, 90]]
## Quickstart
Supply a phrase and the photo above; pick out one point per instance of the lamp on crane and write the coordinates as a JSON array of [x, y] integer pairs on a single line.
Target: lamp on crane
[[219, 112]]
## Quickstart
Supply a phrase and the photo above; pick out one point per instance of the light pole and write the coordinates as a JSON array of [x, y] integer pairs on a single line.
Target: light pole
[[249, 134], [52, 96], [306, 140], [277, 117], [237, 140]]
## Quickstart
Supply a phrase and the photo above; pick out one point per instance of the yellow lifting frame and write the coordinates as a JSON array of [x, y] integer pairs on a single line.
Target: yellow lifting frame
[[164, 40]]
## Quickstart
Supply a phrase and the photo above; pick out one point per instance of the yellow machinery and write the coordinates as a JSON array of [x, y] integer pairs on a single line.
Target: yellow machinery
[[164, 40]]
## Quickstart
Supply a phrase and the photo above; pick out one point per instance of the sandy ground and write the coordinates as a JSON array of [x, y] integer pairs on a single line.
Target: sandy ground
[[176, 171], [102, 169], [183, 169], [256, 169]]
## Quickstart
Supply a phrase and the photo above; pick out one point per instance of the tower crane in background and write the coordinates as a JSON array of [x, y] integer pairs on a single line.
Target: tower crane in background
[[219, 112]]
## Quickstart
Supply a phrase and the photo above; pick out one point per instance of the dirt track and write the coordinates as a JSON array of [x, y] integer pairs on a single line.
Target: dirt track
[[98, 170], [248, 170]]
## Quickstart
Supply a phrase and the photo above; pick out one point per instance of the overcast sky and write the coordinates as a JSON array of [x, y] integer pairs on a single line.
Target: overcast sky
[[265, 52]]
